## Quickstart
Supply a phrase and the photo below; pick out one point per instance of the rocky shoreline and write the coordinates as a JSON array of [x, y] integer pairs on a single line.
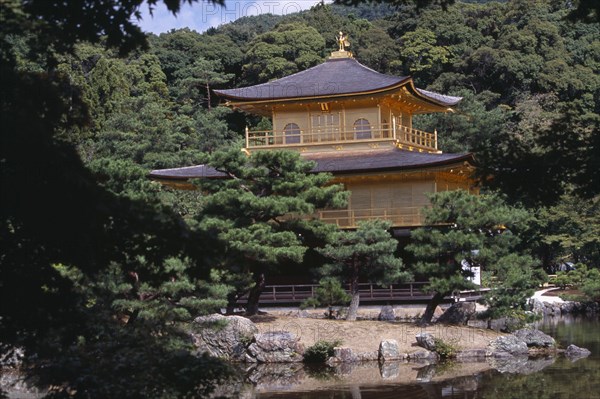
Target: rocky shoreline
[[548, 308], [238, 339], [266, 356]]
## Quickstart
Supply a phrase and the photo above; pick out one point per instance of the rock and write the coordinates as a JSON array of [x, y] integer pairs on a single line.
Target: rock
[[424, 355], [505, 324], [426, 340], [505, 346], [372, 356], [221, 336], [476, 323], [438, 312], [387, 313], [341, 354], [16, 384], [10, 356], [389, 350], [569, 307], [536, 306], [574, 352], [276, 347], [302, 314], [535, 338], [556, 309], [458, 313]]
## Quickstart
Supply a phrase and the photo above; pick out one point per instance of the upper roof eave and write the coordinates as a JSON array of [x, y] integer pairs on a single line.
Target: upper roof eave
[[425, 95], [332, 79]]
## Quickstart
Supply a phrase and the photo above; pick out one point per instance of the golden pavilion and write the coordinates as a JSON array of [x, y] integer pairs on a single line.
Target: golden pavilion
[[357, 124]]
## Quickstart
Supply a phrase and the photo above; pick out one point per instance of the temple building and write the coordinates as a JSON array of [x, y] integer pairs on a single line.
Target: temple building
[[357, 124]]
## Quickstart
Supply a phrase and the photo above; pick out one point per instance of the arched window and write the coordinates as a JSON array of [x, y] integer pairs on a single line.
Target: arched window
[[362, 129], [291, 131]]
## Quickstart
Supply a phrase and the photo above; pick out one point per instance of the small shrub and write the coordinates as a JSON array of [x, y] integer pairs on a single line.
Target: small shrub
[[328, 293], [320, 351], [445, 350]]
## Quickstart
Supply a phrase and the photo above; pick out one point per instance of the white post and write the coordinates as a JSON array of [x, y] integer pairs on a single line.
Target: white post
[[247, 138], [394, 126], [435, 138]]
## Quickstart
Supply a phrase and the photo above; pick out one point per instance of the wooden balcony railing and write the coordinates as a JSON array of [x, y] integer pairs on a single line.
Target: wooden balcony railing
[[403, 135], [349, 218]]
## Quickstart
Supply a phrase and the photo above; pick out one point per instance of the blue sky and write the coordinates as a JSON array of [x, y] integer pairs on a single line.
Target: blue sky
[[203, 15]]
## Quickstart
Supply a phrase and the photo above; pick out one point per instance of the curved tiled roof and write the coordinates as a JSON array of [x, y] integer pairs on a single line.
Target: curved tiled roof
[[335, 77], [448, 100], [338, 163], [379, 160]]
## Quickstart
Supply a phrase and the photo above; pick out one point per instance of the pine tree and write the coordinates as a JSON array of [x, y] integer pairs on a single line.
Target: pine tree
[[256, 213], [476, 229], [365, 253]]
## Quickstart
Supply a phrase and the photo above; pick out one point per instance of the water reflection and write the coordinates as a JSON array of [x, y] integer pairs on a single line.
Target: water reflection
[[369, 380], [518, 378]]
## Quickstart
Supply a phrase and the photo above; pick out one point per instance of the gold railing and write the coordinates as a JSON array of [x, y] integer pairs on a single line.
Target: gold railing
[[413, 137], [349, 218], [403, 135]]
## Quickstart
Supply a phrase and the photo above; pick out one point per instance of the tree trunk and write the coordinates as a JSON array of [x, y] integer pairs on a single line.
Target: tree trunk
[[231, 303], [353, 308], [430, 309], [254, 296], [208, 94]]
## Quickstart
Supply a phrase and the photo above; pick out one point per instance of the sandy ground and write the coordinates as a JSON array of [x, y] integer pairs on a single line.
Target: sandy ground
[[365, 335]]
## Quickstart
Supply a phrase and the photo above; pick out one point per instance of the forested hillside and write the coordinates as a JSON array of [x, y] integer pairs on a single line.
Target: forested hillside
[[96, 258], [528, 75]]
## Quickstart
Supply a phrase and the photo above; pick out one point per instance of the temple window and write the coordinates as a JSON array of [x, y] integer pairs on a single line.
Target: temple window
[[291, 131], [362, 129]]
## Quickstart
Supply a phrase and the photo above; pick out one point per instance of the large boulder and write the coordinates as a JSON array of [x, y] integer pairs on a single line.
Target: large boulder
[[275, 347], [387, 314], [535, 338], [424, 356], [389, 350], [426, 340], [459, 313], [342, 354], [226, 337], [506, 346]]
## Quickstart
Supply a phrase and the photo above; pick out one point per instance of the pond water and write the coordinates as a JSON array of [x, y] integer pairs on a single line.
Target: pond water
[[556, 378]]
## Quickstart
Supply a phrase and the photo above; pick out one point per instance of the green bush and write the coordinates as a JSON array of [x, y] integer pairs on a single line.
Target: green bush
[[445, 350], [329, 293], [320, 351]]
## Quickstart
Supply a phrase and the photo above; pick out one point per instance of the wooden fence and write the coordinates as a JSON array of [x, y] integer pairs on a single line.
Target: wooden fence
[[409, 292]]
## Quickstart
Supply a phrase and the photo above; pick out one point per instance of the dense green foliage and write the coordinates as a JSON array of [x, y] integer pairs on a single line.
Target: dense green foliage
[[445, 350], [329, 293], [582, 278], [249, 213], [320, 351], [480, 230], [368, 254], [100, 262]]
